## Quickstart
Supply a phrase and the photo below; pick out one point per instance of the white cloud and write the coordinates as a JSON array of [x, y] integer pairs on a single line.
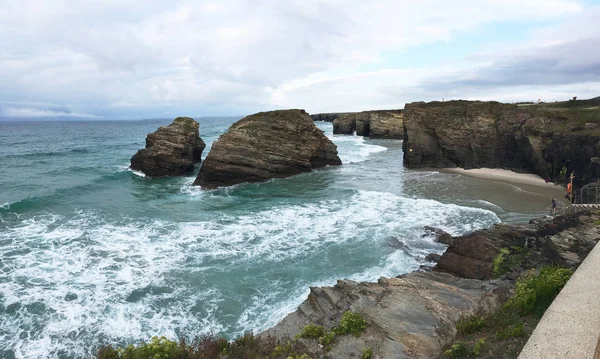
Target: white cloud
[[232, 55]]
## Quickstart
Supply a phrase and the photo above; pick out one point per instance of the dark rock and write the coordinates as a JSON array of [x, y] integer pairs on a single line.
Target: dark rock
[[171, 150], [267, 145], [564, 240], [441, 236], [474, 134], [433, 257], [70, 297], [398, 244], [344, 124], [327, 117]]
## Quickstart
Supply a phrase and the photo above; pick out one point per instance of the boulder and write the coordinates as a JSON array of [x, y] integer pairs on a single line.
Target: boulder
[[440, 235], [171, 150], [267, 145], [474, 134]]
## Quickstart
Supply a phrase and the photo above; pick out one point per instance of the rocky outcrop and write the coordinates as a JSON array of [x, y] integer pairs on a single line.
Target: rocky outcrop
[[171, 150], [267, 145], [473, 134], [505, 249], [326, 117], [414, 315], [374, 124], [411, 316]]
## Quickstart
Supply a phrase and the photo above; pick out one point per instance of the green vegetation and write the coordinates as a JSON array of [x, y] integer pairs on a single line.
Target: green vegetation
[[509, 259], [351, 323], [311, 331], [535, 292], [367, 353], [563, 173], [468, 325], [503, 332], [247, 346]]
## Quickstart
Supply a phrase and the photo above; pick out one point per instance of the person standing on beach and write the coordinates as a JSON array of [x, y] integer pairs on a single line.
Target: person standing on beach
[[553, 210]]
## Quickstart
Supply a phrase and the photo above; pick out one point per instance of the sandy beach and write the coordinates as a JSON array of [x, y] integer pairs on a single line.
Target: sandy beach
[[502, 175]]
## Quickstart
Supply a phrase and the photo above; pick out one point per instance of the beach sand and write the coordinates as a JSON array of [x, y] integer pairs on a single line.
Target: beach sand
[[502, 175]]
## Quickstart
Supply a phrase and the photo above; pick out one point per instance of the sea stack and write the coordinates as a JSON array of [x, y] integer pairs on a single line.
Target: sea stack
[[171, 150], [373, 124], [267, 145]]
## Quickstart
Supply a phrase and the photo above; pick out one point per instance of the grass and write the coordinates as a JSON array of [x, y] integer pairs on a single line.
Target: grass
[[247, 346], [504, 332]]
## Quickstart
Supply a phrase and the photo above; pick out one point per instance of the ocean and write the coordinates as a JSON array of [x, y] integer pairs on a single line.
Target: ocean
[[92, 253]]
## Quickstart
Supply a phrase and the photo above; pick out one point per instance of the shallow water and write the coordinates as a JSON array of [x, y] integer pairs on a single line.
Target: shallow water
[[92, 253]]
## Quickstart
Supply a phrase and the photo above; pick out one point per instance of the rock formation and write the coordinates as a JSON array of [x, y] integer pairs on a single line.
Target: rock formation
[[472, 134], [326, 117], [171, 150], [267, 145], [414, 315], [374, 124]]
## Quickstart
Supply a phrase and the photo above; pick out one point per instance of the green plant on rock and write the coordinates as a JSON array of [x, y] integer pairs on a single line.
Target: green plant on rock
[[458, 350], [468, 325], [535, 292], [311, 331], [351, 323], [511, 332], [367, 353], [563, 173], [478, 347], [327, 338], [158, 348]]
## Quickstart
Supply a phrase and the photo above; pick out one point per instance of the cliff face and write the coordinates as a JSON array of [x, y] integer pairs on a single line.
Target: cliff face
[[171, 150], [414, 315], [471, 134], [374, 124], [266, 145], [327, 117]]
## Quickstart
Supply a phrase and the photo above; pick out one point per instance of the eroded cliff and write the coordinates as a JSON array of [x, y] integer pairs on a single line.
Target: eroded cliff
[[540, 139]]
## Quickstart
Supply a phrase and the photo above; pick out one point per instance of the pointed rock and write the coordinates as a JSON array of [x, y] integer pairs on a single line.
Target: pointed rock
[[171, 150]]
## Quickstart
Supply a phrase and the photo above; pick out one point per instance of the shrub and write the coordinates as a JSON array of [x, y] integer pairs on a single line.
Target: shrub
[[478, 347], [563, 173], [468, 325], [534, 293], [158, 348], [458, 350], [351, 323], [367, 353], [327, 338], [511, 332], [311, 331]]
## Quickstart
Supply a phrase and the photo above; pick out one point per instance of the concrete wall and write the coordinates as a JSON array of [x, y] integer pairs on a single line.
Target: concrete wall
[[570, 328]]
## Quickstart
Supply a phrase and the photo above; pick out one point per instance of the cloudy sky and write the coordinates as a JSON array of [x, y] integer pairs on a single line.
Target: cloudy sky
[[111, 59]]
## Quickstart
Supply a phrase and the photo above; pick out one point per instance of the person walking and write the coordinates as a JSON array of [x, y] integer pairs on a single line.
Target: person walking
[[553, 210]]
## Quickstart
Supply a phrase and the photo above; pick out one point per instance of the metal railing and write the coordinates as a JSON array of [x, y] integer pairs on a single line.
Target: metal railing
[[587, 195]]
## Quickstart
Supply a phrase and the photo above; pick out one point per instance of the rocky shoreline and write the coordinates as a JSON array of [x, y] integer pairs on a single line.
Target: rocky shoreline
[[414, 315]]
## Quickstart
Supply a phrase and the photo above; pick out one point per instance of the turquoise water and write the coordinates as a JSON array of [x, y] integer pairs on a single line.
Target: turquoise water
[[92, 253]]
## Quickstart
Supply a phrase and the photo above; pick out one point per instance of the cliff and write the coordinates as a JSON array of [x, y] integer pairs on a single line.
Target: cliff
[[171, 150], [267, 145], [540, 139], [374, 124]]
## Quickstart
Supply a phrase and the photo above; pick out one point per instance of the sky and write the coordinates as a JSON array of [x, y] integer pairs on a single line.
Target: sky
[[130, 59]]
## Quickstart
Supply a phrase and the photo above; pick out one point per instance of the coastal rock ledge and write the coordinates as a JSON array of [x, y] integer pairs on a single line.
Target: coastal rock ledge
[[171, 150], [267, 145]]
